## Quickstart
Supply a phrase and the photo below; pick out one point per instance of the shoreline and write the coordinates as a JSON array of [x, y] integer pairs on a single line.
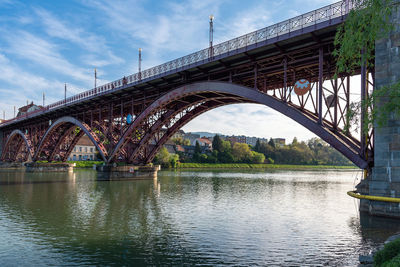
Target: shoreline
[[183, 166], [188, 166]]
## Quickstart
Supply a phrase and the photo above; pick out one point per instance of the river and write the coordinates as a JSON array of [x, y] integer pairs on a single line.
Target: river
[[210, 218]]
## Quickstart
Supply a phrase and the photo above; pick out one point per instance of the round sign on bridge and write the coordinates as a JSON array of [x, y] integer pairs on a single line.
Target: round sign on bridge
[[302, 86]]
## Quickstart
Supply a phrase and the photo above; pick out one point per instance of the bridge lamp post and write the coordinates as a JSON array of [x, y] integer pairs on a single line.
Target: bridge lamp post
[[211, 35], [65, 93], [95, 78], [140, 64]]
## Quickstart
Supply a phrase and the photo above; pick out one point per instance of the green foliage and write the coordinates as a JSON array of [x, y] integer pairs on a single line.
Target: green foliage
[[383, 104], [395, 262], [181, 141], [197, 148], [77, 130], [217, 143], [352, 117], [355, 45], [226, 146], [257, 147], [367, 22], [386, 101], [241, 152], [165, 159], [389, 252], [86, 164], [257, 157], [260, 166], [271, 143], [225, 157], [173, 160]]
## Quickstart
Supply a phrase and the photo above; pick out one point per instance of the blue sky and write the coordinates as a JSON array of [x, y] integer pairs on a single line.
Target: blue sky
[[44, 44]]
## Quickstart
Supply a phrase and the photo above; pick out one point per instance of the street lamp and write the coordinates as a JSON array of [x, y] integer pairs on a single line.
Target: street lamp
[[140, 64], [211, 35]]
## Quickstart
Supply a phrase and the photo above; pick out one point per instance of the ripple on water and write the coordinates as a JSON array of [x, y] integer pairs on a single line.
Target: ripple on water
[[241, 218]]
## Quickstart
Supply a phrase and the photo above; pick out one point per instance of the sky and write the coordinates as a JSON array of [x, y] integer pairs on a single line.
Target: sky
[[45, 44]]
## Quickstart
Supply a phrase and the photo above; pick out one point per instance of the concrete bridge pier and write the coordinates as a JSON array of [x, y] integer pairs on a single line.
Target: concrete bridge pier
[[113, 172], [385, 178]]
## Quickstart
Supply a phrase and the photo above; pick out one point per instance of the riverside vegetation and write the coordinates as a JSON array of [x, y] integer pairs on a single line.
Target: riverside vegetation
[[224, 154]]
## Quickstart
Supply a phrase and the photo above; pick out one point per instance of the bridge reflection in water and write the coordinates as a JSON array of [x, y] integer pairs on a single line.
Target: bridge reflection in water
[[205, 217]]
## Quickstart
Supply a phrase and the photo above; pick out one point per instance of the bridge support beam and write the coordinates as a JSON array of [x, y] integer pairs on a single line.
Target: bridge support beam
[[385, 177]]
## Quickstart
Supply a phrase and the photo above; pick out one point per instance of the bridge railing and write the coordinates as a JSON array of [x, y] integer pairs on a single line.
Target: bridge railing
[[229, 47]]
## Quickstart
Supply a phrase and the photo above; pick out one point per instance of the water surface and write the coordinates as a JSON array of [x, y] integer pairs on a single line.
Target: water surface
[[242, 218]]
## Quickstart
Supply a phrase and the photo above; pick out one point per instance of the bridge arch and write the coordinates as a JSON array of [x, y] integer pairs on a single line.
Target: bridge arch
[[67, 125], [18, 139], [162, 110]]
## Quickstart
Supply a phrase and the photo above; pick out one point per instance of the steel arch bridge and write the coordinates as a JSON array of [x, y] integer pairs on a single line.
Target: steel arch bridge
[[260, 67]]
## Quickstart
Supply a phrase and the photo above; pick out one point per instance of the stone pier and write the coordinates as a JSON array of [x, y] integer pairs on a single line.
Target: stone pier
[[113, 172], [385, 178], [49, 167]]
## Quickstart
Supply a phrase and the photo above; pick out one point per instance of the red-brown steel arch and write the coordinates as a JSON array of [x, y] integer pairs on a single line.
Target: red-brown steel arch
[[68, 121], [335, 137], [14, 135]]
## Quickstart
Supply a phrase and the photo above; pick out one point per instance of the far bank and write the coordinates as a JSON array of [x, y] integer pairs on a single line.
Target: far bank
[[258, 166]]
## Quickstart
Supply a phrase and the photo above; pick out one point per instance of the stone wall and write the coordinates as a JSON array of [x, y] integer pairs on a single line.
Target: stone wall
[[385, 178]]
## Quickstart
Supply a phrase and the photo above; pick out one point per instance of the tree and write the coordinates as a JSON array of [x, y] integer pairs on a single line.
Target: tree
[[197, 152], [180, 141], [257, 147], [257, 157], [163, 158], [241, 152], [225, 157], [271, 143], [217, 143], [226, 146], [197, 148], [173, 160], [295, 142]]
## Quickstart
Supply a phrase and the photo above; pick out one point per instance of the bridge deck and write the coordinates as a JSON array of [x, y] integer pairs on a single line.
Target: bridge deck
[[295, 40]]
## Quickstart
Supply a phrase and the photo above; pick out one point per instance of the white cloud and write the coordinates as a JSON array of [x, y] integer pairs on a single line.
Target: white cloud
[[46, 54], [89, 41], [249, 120]]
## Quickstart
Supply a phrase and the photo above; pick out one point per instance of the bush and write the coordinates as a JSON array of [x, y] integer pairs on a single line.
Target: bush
[[393, 262], [389, 252], [86, 164], [173, 160], [257, 157]]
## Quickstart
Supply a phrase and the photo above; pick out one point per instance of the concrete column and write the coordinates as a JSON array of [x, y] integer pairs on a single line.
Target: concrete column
[[385, 178]]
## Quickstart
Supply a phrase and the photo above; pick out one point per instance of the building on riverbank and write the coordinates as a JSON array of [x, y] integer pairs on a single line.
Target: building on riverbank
[[84, 150]]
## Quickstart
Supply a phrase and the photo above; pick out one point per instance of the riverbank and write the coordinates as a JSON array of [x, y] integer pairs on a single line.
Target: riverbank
[[89, 165], [258, 166]]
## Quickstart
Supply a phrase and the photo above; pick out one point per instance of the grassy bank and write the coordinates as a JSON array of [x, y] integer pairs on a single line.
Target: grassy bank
[[257, 166], [389, 256], [85, 164]]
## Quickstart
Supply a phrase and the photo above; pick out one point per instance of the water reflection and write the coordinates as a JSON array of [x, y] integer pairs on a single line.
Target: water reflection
[[206, 217]]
